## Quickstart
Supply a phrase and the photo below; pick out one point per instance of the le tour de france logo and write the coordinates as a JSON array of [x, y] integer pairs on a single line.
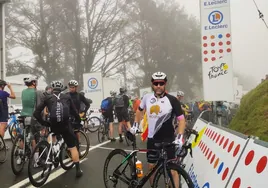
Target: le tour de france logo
[[92, 83], [217, 71]]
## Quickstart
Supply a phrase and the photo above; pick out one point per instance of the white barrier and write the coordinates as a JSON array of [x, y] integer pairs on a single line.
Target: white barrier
[[223, 158], [252, 168]]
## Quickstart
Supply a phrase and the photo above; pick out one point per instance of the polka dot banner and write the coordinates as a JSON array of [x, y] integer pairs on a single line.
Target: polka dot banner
[[216, 45]]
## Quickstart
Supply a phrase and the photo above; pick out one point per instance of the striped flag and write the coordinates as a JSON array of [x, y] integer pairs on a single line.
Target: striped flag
[[144, 134]]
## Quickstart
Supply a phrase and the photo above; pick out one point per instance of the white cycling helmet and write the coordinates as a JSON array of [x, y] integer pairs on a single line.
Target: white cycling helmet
[[56, 85], [159, 76], [30, 79], [112, 92], [180, 93], [73, 83]]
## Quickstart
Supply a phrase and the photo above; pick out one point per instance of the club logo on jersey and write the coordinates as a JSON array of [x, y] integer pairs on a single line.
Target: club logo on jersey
[[155, 109], [153, 100]]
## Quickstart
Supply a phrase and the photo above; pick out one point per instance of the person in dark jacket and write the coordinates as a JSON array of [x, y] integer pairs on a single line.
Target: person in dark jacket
[[62, 128], [122, 111]]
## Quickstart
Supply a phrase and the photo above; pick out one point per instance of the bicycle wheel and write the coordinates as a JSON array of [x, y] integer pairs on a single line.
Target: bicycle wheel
[[93, 124], [19, 155], [3, 150], [101, 134], [38, 167], [13, 132], [184, 178], [119, 157], [84, 144], [66, 161]]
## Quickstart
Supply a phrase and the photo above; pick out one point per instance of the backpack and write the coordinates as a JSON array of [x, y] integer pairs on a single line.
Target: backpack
[[60, 111], [106, 104], [119, 101]]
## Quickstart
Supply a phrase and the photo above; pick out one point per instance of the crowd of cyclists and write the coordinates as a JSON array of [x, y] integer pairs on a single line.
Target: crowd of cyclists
[[62, 113]]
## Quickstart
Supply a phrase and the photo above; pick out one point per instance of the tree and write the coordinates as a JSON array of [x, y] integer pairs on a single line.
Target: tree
[[33, 25], [169, 41]]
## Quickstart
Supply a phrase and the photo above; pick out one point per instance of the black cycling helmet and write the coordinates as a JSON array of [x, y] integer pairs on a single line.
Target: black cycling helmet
[[122, 90], [3, 83]]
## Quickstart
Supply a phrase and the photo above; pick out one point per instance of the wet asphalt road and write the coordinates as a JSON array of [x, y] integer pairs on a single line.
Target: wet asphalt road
[[92, 167]]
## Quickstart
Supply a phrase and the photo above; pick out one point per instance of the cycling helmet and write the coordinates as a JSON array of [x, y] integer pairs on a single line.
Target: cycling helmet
[[112, 92], [159, 76], [180, 93], [73, 83], [57, 85], [30, 79], [3, 83], [122, 90]]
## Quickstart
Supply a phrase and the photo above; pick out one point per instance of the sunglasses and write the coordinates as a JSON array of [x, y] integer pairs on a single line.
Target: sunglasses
[[159, 83]]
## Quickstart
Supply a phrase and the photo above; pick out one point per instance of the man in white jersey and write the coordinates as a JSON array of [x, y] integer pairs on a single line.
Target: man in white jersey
[[161, 109]]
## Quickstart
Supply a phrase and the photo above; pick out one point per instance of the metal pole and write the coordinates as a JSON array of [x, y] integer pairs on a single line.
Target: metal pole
[[2, 42]]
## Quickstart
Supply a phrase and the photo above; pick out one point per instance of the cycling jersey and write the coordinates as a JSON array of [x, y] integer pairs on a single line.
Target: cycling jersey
[[28, 99], [4, 106], [160, 113]]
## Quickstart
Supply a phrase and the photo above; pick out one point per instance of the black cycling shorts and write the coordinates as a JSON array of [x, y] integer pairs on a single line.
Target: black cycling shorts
[[67, 133], [153, 156], [122, 114], [109, 116]]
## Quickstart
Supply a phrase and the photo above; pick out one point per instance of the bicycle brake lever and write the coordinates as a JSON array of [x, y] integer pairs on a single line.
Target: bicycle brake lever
[[196, 137], [191, 150]]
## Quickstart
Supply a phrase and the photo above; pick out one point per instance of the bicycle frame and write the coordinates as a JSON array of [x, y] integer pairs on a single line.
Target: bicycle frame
[[133, 155], [50, 137]]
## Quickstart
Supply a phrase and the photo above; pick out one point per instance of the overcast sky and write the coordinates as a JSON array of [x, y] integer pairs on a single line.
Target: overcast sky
[[250, 36]]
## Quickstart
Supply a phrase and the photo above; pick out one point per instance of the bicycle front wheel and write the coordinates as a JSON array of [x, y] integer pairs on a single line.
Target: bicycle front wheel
[[93, 124], [177, 177], [112, 171], [84, 144], [39, 167], [3, 150]]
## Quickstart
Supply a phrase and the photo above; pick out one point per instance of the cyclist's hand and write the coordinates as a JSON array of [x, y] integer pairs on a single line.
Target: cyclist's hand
[[133, 130], [82, 114], [179, 141]]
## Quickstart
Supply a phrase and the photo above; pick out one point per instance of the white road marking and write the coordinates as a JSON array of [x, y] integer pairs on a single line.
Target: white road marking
[[26, 180], [55, 174]]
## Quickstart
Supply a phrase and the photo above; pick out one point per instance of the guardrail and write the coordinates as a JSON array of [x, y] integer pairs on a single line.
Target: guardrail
[[223, 158]]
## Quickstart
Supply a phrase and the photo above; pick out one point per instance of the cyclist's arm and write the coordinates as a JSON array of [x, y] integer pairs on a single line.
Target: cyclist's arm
[[38, 112], [73, 110], [141, 109], [85, 101], [179, 114]]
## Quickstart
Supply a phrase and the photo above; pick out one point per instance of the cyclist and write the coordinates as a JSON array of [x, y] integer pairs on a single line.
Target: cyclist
[[160, 108], [108, 114], [77, 99], [121, 103], [4, 105], [30, 98], [63, 128], [185, 108]]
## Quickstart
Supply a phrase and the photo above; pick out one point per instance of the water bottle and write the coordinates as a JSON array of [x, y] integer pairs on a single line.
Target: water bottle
[[139, 169]]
